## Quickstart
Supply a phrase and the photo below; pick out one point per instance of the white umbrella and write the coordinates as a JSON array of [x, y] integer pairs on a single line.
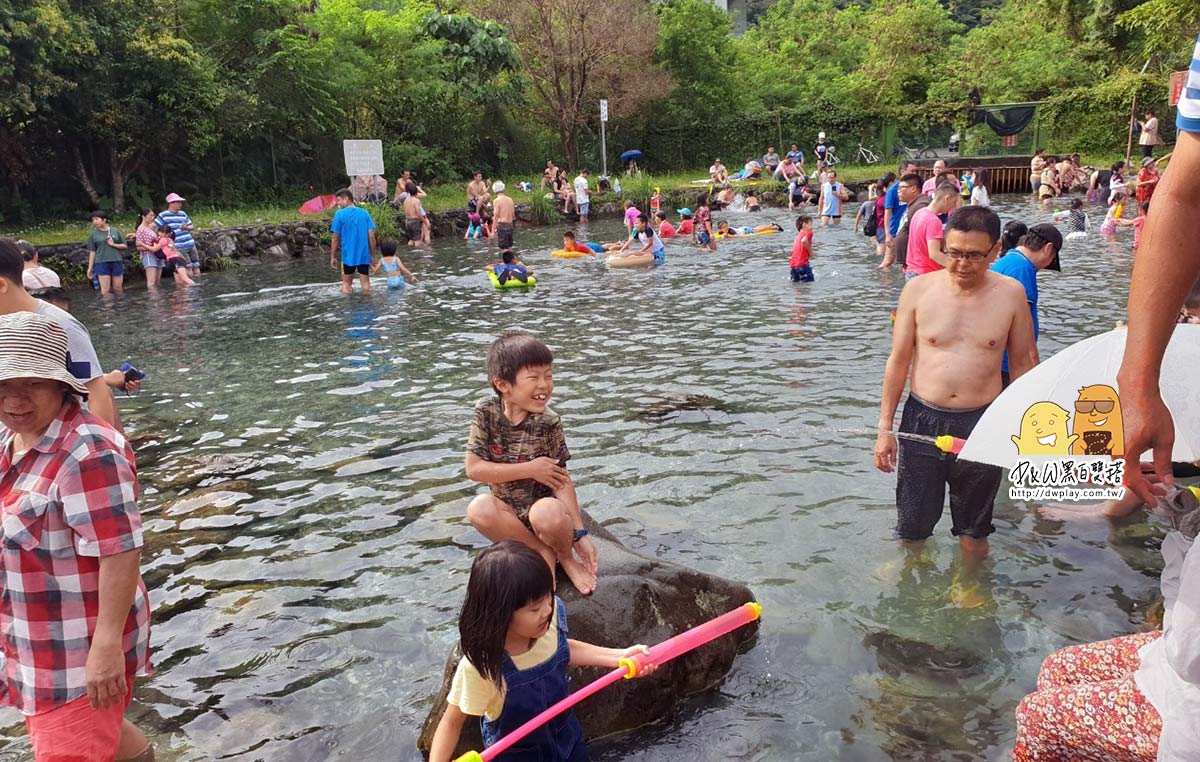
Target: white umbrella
[[1069, 404]]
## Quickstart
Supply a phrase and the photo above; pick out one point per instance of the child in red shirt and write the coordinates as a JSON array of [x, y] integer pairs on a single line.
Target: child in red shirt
[[665, 228], [569, 244], [685, 222], [802, 251]]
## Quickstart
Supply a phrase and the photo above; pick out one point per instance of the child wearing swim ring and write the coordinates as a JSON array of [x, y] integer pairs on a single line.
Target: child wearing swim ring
[[392, 266], [510, 268], [513, 635], [725, 231], [644, 235], [569, 244], [1075, 221]]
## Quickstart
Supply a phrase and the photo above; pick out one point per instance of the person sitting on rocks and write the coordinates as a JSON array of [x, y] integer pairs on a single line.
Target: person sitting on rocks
[[517, 447], [513, 635], [718, 173]]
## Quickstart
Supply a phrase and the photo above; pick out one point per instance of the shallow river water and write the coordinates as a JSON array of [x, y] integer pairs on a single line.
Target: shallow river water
[[304, 612]]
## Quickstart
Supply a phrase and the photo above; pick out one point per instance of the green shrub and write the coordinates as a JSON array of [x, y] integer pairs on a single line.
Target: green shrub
[[542, 210], [1096, 118]]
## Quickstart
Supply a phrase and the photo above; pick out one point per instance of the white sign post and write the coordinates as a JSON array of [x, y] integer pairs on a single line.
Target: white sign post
[[603, 147], [363, 157]]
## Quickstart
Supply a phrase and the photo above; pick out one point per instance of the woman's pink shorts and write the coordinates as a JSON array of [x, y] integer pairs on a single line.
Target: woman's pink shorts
[[75, 732]]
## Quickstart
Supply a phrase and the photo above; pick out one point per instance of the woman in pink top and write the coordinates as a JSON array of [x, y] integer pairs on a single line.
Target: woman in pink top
[[148, 246]]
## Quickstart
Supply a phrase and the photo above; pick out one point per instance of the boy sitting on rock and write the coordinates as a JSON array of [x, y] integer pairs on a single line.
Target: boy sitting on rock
[[517, 447]]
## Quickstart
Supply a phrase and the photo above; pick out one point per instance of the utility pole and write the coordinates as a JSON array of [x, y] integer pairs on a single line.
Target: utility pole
[[603, 146]]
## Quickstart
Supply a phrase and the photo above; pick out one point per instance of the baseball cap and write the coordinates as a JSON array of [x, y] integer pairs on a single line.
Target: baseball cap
[[173, 197], [1048, 232]]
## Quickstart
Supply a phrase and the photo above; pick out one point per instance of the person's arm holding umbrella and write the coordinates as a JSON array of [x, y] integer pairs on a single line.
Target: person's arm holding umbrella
[[1167, 265]]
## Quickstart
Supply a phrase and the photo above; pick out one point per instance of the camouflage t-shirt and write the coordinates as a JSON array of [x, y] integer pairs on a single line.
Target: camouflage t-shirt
[[494, 439]]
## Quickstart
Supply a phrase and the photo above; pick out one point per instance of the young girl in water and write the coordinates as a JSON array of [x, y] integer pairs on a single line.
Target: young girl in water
[[474, 226], [391, 264], [175, 263], [1116, 208], [513, 635]]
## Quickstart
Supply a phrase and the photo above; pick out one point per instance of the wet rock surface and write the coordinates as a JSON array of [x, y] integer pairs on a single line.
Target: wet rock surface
[[638, 599]]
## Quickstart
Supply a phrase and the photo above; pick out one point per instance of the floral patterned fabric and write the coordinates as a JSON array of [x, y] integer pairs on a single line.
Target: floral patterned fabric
[[1087, 707]]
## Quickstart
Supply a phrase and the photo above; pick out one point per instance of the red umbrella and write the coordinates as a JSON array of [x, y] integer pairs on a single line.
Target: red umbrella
[[318, 204]]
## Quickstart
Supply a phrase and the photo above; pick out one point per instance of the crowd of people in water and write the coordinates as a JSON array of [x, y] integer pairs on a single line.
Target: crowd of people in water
[[68, 483]]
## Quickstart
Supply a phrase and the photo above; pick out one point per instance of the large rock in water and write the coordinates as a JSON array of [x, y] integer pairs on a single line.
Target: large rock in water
[[638, 599]]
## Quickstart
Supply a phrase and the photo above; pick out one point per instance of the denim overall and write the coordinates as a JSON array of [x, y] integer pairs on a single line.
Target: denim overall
[[528, 693]]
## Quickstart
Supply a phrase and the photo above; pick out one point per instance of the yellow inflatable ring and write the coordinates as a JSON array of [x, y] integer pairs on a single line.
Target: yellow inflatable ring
[[511, 282], [743, 235], [564, 254], [638, 261]]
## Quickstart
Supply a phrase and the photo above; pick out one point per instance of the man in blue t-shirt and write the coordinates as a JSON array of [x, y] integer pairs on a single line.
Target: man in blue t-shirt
[[354, 238], [1036, 250], [181, 225], [893, 207]]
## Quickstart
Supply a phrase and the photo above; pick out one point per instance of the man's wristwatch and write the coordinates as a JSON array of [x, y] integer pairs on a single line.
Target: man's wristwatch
[[580, 534]]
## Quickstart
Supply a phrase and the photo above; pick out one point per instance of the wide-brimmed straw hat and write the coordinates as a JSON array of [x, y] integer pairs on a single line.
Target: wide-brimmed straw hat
[[32, 346]]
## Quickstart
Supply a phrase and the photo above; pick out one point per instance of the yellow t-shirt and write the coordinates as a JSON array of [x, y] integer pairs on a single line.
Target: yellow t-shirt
[[475, 695]]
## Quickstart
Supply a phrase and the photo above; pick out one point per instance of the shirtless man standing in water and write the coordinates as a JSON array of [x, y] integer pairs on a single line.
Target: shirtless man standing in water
[[952, 327]]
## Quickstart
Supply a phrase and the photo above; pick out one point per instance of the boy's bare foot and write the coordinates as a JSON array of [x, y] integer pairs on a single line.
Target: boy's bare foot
[[584, 580]]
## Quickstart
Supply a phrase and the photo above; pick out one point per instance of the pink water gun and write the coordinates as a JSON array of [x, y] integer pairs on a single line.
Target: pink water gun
[[628, 668], [952, 445]]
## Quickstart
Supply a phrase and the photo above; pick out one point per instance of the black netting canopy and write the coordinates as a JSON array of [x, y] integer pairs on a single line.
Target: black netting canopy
[[1004, 120]]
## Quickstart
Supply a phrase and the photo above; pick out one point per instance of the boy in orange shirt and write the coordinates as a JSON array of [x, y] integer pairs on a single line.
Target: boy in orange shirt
[[802, 251]]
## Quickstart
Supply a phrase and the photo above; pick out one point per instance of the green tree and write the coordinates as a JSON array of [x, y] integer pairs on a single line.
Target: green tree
[[1020, 55], [575, 52], [1165, 29], [696, 47], [908, 41], [139, 90]]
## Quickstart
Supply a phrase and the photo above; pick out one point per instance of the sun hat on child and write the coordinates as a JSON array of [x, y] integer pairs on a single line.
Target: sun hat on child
[[173, 197], [32, 346]]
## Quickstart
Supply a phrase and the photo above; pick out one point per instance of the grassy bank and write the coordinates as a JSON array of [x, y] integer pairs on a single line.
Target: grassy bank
[[677, 189]]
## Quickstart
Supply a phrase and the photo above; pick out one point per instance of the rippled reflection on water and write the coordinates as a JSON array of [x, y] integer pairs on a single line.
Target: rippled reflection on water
[[301, 459]]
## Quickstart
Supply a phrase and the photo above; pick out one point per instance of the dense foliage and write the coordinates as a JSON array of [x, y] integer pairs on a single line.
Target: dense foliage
[[112, 102]]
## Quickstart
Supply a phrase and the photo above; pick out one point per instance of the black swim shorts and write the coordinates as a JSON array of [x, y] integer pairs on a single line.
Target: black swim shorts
[[504, 235], [360, 269], [924, 471], [412, 229]]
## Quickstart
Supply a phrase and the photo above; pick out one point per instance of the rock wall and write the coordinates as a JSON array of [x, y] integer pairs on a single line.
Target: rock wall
[[249, 243], [302, 238]]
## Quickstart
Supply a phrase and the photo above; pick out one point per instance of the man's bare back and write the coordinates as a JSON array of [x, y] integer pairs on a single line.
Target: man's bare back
[[503, 209], [961, 335], [412, 208]]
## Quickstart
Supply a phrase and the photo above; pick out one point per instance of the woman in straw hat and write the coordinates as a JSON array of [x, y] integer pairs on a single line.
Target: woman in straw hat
[[68, 496]]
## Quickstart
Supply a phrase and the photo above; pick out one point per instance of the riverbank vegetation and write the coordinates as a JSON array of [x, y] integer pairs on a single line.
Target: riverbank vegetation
[[241, 105]]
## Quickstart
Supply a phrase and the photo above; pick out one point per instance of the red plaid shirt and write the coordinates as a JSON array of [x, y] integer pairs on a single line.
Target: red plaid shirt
[[66, 502]]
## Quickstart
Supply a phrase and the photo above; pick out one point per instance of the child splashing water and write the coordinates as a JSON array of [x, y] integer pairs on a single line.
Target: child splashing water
[[513, 633]]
